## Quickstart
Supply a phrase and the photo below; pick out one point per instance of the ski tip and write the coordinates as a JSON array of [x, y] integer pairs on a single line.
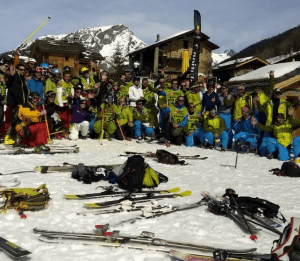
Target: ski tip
[[70, 196], [185, 193], [91, 205], [41, 169], [173, 190]]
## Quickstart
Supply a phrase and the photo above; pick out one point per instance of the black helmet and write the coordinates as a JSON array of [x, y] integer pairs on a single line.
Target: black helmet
[[50, 94], [136, 78], [33, 95]]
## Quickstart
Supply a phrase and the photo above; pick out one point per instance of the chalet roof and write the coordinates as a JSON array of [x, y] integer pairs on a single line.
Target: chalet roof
[[238, 62], [58, 46], [285, 74], [282, 58], [204, 37], [87, 56]]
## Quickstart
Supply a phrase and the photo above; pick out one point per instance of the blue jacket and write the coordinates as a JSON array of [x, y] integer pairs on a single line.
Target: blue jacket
[[245, 126], [79, 115], [207, 103], [36, 85]]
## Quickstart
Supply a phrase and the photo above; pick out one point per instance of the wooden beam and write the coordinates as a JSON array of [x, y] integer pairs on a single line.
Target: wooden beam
[[286, 83]]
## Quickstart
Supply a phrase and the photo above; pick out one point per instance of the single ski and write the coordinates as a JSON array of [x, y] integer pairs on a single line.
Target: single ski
[[113, 193], [135, 199], [12, 249], [145, 241], [70, 167], [46, 152], [153, 155], [230, 256], [233, 216]]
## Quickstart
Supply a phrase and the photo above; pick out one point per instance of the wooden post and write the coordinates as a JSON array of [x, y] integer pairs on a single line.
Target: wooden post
[[156, 55]]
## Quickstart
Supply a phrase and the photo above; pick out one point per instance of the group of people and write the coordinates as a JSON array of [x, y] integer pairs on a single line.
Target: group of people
[[44, 103]]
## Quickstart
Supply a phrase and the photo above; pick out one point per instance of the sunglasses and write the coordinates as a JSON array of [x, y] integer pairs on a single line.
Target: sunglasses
[[240, 89], [78, 92], [181, 100], [139, 104], [223, 88], [191, 107], [21, 70]]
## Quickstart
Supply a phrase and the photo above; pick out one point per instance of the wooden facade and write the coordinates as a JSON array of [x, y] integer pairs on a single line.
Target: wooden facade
[[167, 55], [230, 69], [64, 54]]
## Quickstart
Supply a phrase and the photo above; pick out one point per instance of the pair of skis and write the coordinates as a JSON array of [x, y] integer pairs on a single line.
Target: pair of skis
[[50, 151], [146, 240], [153, 155]]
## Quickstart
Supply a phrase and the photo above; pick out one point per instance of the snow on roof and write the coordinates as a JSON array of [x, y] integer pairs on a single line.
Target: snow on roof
[[263, 72], [236, 61], [281, 57], [170, 37]]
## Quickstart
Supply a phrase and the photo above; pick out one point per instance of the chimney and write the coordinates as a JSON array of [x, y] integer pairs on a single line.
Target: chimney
[[158, 38]]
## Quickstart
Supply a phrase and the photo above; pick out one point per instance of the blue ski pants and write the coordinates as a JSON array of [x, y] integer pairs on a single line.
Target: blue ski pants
[[209, 137], [140, 128], [247, 137], [194, 137]]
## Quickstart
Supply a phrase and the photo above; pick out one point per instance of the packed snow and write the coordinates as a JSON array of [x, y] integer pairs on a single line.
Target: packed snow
[[236, 61], [279, 58], [219, 57], [198, 226]]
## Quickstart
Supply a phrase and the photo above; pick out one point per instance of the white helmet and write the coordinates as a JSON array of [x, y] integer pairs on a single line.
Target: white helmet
[[31, 60]]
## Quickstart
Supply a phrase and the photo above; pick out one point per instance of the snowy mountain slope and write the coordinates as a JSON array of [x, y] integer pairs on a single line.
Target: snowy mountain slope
[[98, 39], [251, 178], [220, 57]]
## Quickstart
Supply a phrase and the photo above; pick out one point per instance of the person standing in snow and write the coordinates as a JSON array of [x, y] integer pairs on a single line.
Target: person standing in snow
[[135, 92]]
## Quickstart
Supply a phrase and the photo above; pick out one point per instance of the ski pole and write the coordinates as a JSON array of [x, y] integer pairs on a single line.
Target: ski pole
[[102, 128], [231, 193], [237, 154], [120, 129], [48, 132]]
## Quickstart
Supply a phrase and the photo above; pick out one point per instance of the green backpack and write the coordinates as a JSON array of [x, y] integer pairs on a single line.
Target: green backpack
[[25, 198]]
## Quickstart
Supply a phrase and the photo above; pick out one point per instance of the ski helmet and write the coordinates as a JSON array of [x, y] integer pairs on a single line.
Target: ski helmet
[[66, 68], [56, 71], [50, 94], [31, 60], [44, 65], [84, 70], [136, 78], [34, 96]]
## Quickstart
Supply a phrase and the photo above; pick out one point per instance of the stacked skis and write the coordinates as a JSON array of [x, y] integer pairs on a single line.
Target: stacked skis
[[146, 241]]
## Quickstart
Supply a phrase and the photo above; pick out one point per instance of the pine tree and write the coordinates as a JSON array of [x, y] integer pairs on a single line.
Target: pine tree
[[117, 64]]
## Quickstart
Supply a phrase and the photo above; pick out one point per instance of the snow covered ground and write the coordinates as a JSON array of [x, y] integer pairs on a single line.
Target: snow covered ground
[[251, 178]]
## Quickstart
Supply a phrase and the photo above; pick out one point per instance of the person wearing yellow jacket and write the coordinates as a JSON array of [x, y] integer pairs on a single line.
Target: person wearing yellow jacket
[[243, 99], [194, 96], [31, 131], [86, 79], [125, 124], [214, 128], [282, 143]]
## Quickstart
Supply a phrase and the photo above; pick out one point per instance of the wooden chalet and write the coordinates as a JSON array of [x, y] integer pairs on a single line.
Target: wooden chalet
[[225, 71], [167, 54], [63, 53]]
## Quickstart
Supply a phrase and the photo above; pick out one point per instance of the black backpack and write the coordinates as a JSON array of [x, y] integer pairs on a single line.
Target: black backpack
[[166, 157], [133, 174], [83, 173], [253, 205], [288, 169]]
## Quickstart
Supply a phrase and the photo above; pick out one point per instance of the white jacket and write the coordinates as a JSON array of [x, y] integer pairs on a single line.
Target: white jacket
[[135, 93]]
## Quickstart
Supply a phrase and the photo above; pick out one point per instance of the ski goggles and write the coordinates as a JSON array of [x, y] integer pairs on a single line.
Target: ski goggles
[[36, 98], [213, 111]]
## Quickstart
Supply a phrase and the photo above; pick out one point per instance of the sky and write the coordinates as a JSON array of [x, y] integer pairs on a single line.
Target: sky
[[231, 24]]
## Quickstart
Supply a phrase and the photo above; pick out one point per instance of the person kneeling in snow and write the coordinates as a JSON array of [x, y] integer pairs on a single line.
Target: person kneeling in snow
[[30, 130], [143, 121], [282, 131], [245, 132], [193, 129], [214, 128], [80, 121], [105, 124]]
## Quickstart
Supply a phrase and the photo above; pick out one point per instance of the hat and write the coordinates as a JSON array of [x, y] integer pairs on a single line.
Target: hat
[[277, 91]]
